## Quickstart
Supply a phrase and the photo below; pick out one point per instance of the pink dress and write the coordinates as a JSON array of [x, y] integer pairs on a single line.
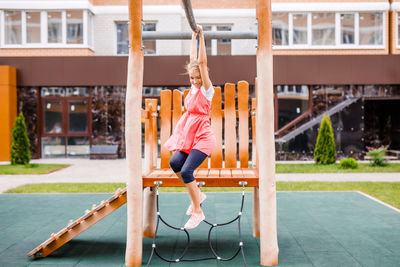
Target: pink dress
[[193, 130]]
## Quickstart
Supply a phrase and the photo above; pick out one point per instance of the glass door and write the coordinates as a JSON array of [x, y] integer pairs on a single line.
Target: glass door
[[66, 117]]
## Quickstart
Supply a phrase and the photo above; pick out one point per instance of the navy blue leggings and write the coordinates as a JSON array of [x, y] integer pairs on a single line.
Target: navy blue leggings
[[186, 163]]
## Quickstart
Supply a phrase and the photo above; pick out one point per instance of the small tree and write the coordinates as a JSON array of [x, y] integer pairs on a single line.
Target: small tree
[[20, 152], [325, 151]]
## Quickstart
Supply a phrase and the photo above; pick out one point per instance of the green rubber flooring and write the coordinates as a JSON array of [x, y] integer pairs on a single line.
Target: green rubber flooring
[[314, 229]]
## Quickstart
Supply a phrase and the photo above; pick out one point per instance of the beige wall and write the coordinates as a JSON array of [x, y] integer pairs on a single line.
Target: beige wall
[[42, 52]]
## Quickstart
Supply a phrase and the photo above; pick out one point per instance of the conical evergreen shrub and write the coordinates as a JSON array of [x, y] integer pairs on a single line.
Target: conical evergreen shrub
[[325, 151], [20, 152]]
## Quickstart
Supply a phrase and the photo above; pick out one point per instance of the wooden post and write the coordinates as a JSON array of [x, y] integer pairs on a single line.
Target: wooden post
[[133, 134], [265, 137], [150, 162]]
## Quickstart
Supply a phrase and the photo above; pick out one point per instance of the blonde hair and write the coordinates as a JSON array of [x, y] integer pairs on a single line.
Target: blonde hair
[[194, 65]]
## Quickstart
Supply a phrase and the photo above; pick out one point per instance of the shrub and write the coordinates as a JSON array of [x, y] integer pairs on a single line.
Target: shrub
[[377, 156], [348, 163], [20, 153], [325, 151]]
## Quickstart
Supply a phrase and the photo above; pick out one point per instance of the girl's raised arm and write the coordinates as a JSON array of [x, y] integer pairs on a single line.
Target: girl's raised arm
[[203, 60], [193, 48]]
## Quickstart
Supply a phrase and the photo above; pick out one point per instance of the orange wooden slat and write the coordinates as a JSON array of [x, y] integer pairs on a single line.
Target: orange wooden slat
[[243, 107], [185, 92], [154, 141], [176, 107], [165, 127], [230, 126], [247, 173], [150, 141], [202, 173], [216, 127], [214, 173], [238, 173], [226, 173]]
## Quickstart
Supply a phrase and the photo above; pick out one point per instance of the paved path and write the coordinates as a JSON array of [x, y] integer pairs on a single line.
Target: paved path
[[114, 171]]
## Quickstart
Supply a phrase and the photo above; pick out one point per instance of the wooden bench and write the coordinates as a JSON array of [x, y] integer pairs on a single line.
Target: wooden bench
[[229, 162], [223, 168]]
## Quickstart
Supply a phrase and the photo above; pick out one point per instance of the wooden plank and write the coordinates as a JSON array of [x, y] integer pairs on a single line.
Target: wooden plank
[[215, 173], [154, 141], [225, 173], [202, 173], [176, 107], [77, 227], [230, 126], [165, 127], [243, 107], [204, 164], [216, 127], [185, 93], [237, 173], [209, 182], [150, 141]]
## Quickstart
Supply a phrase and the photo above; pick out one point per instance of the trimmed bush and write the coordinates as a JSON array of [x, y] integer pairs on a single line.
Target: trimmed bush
[[348, 163], [20, 152], [377, 156], [325, 151]]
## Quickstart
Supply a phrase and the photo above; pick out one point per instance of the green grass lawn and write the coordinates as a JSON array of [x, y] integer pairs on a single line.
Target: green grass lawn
[[386, 192], [31, 168], [334, 168]]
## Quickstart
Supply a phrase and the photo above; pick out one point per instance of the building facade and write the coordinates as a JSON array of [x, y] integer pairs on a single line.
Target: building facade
[[339, 57]]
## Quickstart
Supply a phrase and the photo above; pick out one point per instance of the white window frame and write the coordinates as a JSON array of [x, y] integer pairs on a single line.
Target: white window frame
[[116, 22], [43, 31], [214, 42], [383, 45], [339, 31], [338, 44]]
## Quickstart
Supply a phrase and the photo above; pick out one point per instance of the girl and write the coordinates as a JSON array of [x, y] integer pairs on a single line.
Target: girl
[[192, 139]]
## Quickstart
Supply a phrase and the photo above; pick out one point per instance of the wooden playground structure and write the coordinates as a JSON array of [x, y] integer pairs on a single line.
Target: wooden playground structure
[[221, 170]]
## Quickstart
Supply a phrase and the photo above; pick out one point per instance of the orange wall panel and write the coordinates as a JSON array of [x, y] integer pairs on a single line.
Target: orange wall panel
[[8, 108]]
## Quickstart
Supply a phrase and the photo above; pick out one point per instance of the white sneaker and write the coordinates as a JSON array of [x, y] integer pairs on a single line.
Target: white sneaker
[[203, 197], [194, 220]]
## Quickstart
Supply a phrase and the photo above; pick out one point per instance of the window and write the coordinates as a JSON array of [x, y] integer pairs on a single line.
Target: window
[[371, 28], [123, 39], [293, 101], [280, 28], [347, 31], [300, 28], [66, 119], [329, 30], [221, 46], [13, 28], [54, 27], [74, 27], [398, 29], [323, 28], [224, 45], [33, 27], [149, 45], [68, 28]]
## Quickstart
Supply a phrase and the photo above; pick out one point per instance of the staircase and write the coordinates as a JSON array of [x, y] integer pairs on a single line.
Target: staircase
[[314, 121]]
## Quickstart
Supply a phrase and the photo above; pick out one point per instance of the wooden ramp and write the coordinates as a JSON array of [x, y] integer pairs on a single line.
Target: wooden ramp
[[74, 228]]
